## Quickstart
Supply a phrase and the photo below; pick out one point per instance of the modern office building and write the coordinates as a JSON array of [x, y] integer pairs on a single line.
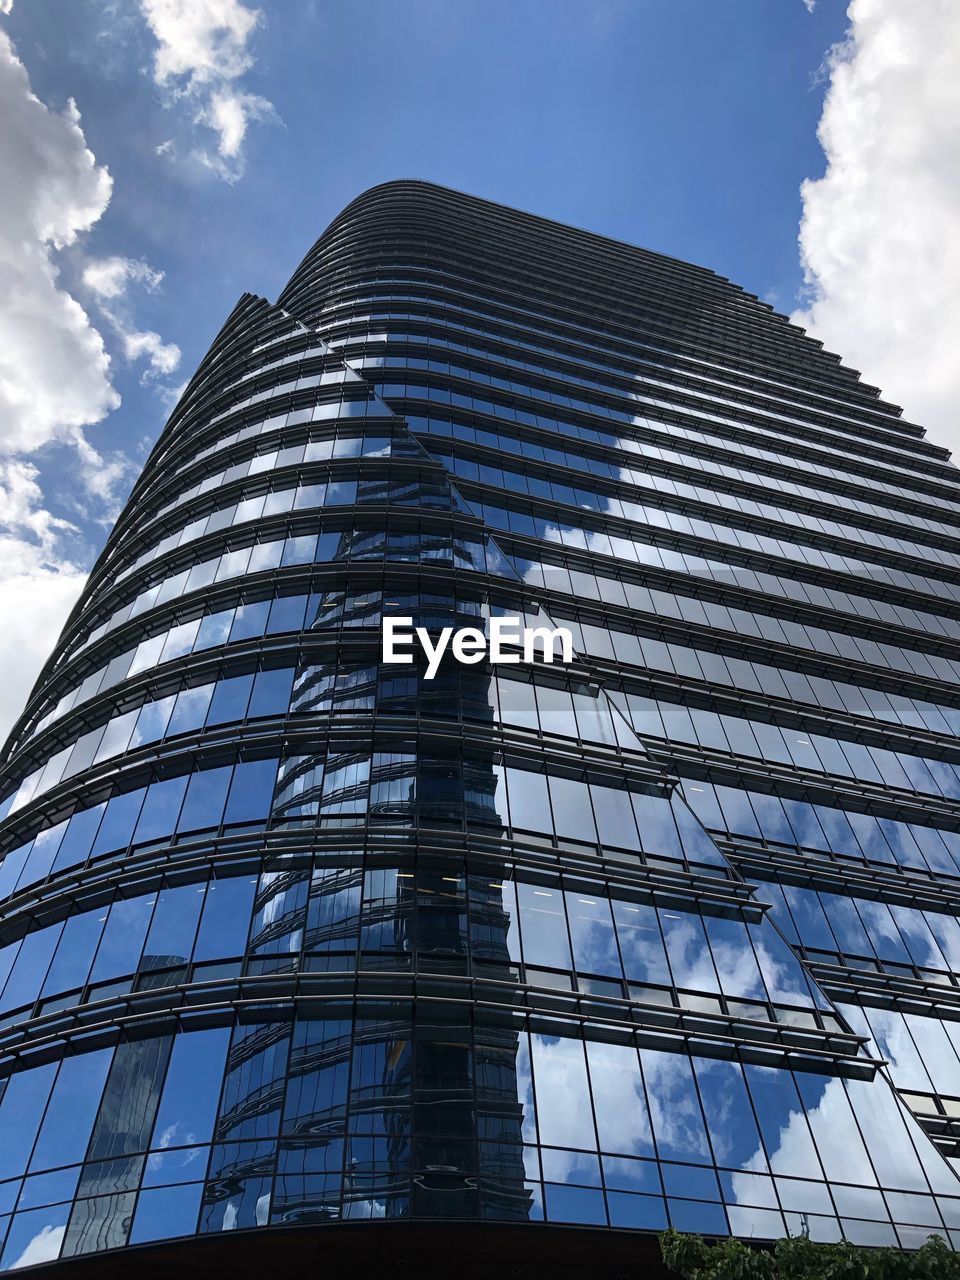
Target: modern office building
[[307, 959]]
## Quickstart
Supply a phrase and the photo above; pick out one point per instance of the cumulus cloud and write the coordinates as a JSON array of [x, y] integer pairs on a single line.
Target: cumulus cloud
[[45, 1245], [54, 368], [43, 562], [55, 374], [162, 357], [104, 479], [202, 54], [878, 237], [41, 576], [109, 279], [20, 498]]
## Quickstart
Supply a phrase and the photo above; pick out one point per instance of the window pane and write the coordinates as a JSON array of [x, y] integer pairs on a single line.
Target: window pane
[[35, 1237], [123, 936], [158, 818], [572, 811], [166, 1212], [623, 1124], [638, 930], [655, 820], [674, 1106], [730, 1121], [318, 1076], [30, 967], [170, 940], [615, 820], [118, 822], [73, 1106], [75, 951], [188, 1105], [733, 957], [271, 692], [21, 1108], [529, 806], [783, 1124], [225, 922], [230, 698], [543, 926], [560, 1080], [130, 1098], [206, 793], [251, 791], [690, 958], [190, 709], [591, 931]]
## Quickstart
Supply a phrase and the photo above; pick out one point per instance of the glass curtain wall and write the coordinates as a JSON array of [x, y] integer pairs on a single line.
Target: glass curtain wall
[[290, 936]]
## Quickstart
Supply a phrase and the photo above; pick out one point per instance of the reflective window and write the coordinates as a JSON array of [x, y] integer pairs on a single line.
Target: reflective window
[[191, 1090], [73, 1106]]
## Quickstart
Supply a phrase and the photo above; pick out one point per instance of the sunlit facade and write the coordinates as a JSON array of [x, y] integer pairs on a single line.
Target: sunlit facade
[[301, 951]]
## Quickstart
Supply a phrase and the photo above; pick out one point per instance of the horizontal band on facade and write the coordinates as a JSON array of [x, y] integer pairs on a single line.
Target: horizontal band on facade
[[848, 876], [426, 849], [432, 997]]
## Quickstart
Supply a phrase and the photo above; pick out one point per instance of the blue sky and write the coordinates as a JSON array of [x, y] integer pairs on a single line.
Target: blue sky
[[686, 126]]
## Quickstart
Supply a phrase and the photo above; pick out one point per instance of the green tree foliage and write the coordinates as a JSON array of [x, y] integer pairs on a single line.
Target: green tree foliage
[[798, 1258]]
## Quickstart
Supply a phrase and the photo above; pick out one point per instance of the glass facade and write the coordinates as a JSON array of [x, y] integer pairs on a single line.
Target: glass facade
[[294, 937]]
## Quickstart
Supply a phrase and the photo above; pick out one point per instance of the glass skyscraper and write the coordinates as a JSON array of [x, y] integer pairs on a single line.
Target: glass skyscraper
[[304, 956]]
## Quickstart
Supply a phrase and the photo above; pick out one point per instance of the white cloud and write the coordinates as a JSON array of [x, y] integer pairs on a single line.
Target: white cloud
[[105, 478], [169, 398], [44, 1246], [109, 279], [202, 52], [204, 40], [228, 113], [20, 496], [40, 577], [880, 234], [54, 369], [163, 357]]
